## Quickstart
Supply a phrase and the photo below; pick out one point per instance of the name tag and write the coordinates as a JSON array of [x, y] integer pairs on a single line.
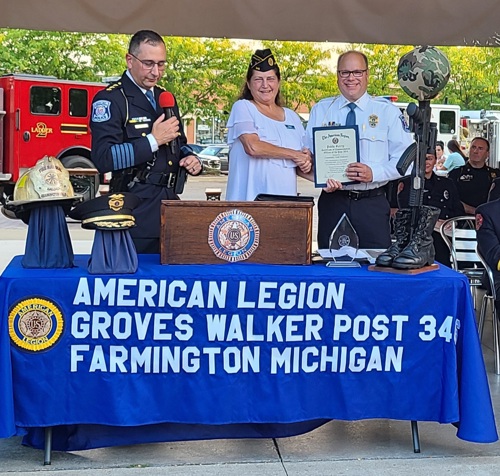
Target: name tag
[[141, 126], [135, 120]]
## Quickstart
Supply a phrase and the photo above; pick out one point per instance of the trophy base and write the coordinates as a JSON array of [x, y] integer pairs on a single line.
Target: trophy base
[[386, 269], [343, 264]]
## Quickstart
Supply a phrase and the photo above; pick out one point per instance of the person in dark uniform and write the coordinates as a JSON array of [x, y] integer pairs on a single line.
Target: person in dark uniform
[[132, 138], [439, 192], [494, 193], [488, 239], [474, 179], [383, 137]]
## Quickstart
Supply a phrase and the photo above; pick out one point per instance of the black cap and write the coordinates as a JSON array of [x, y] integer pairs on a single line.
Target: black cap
[[263, 60], [107, 212]]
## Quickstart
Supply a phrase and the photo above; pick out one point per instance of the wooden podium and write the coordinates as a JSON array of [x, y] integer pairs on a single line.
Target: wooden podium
[[284, 231]]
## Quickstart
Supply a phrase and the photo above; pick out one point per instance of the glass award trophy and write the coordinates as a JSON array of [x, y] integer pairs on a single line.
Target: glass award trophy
[[344, 244]]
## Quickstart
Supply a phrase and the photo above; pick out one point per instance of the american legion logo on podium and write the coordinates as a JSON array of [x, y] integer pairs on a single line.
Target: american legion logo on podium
[[233, 235]]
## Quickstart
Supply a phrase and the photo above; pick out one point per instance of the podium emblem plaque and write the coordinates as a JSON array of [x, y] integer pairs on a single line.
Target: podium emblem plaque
[[233, 235]]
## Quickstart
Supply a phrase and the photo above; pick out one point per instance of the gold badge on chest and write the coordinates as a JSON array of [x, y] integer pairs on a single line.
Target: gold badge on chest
[[373, 120]]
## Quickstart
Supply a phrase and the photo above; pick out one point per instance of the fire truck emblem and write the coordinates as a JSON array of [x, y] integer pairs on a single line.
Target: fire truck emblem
[[35, 324], [101, 111], [344, 240], [233, 236], [41, 130]]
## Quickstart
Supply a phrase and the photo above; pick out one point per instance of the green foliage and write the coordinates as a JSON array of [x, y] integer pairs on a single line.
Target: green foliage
[[473, 82], [305, 74], [206, 75], [75, 56]]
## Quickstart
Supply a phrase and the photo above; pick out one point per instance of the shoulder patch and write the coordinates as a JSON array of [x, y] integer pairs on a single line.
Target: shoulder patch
[[101, 111], [479, 221], [402, 118]]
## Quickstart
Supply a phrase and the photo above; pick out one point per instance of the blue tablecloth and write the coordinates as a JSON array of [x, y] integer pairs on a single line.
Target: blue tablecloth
[[234, 350]]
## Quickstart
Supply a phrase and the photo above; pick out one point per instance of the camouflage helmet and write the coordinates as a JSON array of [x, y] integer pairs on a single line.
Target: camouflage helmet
[[423, 72]]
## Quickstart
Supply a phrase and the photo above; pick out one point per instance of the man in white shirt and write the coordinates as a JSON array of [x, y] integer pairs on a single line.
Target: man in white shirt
[[383, 137]]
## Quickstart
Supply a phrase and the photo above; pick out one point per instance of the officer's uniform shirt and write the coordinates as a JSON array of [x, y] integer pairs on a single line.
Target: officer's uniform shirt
[[473, 184], [488, 236], [122, 117], [383, 134], [439, 192], [494, 190]]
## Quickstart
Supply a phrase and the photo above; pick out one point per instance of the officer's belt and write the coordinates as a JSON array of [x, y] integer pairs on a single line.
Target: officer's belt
[[359, 194], [159, 179]]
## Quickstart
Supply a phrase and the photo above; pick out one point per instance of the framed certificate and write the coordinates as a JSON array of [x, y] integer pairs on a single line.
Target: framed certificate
[[334, 148]]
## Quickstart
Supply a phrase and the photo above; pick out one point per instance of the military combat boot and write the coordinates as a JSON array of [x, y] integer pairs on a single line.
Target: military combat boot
[[402, 226], [419, 251]]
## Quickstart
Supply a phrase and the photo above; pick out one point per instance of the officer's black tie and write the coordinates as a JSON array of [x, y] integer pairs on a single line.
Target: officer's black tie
[[351, 115]]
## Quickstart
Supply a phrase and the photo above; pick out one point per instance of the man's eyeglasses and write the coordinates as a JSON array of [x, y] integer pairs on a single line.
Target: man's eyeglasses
[[357, 73], [150, 64]]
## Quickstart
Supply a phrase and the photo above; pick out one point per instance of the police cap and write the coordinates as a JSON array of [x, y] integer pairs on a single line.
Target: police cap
[[107, 212]]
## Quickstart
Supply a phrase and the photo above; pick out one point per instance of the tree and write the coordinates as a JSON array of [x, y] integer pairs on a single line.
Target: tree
[[305, 73], [473, 81], [206, 75], [75, 56], [474, 78]]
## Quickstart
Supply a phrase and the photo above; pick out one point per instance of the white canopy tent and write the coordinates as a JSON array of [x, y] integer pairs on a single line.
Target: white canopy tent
[[412, 22]]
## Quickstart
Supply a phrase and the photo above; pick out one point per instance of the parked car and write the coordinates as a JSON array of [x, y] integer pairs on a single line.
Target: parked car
[[219, 152], [197, 148]]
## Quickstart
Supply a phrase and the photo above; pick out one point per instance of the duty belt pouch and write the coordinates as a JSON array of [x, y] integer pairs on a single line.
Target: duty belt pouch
[[180, 180]]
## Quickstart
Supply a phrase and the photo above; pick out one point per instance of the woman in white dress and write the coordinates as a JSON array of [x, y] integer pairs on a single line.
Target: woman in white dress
[[265, 139]]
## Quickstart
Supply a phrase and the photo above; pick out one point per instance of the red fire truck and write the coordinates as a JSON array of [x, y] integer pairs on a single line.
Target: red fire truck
[[41, 115]]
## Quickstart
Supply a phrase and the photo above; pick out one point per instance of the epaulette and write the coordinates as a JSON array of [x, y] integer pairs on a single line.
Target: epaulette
[[160, 87], [382, 99], [329, 99], [114, 86]]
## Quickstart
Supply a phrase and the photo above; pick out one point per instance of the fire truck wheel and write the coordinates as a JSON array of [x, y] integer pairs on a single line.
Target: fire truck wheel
[[86, 185]]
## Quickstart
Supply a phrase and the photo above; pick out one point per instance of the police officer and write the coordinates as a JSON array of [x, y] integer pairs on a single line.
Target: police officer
[[474, 179], [383, 137], [132, 138], [439, 192], [494, 190], [488, 239]]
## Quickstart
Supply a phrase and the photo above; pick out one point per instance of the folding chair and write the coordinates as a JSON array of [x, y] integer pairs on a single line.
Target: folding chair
[[490, 298], [459, 234]]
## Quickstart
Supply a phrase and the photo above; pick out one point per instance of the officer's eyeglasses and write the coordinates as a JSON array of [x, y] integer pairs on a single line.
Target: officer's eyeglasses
[[357, 73], [150, 64]]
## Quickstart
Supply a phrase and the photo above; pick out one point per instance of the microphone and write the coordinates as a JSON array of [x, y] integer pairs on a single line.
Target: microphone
[[167, 103]]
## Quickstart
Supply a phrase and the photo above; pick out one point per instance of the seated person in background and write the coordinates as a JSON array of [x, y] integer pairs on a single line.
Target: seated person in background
[[488, 239], [473, 180], [440, 157], [456, 159], [494, 190], [439, 192]]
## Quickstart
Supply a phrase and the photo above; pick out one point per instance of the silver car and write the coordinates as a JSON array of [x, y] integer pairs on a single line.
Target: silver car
[[215, 158]]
